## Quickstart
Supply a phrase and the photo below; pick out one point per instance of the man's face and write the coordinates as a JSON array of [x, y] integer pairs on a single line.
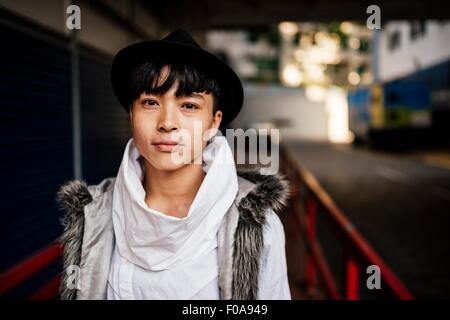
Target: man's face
[[159, 120]]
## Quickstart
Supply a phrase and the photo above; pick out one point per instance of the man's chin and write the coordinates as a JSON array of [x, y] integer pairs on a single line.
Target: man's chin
[[167, 163]]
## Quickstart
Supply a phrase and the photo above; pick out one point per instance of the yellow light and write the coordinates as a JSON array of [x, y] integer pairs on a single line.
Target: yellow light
[[353, 78], [323, 55], [320, 36], [315, 93], [288, 28], [354, 43], [315, 72], [305, 41], [337, 110], [347, 27], [292, 76]]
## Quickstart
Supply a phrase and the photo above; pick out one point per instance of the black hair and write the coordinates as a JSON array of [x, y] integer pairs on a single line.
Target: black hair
[[191, 78]]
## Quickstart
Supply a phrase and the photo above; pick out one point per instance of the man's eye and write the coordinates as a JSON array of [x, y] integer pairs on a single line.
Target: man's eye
[[190, 106], [150, 102]]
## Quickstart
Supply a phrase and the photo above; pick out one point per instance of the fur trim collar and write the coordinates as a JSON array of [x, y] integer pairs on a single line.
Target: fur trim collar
[[269, 192]]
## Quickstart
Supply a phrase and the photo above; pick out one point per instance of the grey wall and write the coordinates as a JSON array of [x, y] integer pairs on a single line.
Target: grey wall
[[266, 103]]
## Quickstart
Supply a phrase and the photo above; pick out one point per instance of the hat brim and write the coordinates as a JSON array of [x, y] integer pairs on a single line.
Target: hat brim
[[127, 59]]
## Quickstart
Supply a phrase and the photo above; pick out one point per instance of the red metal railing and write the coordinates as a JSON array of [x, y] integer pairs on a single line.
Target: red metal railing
[[27, 269], [309, 199]]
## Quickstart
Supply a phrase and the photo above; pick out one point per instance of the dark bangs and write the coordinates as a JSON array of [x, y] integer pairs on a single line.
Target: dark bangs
[[190, 79]]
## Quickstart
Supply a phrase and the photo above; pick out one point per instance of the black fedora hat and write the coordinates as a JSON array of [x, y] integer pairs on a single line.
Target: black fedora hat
[[178, 45]]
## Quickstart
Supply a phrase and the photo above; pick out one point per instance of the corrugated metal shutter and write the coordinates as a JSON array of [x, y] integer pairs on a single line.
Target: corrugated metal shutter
[[35, 141], [36, 144], [105, 124]]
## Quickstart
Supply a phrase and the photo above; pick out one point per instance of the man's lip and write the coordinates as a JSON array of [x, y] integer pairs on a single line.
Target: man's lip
[[168, 143], [167, 147]]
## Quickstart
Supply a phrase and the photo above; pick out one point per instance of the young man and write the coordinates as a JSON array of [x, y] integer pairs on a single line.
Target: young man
[[178, 221]]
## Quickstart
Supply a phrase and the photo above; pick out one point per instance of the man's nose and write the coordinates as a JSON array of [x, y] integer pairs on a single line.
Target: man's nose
[[168, 121]]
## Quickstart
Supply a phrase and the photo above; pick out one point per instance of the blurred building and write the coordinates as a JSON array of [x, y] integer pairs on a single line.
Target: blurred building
[[408, 104], [406, 47]]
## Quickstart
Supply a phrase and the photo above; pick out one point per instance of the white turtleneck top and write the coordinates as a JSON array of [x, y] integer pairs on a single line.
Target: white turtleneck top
[[158, 256]]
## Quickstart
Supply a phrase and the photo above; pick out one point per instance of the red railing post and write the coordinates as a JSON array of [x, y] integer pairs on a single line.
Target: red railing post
[[311, 238], [352, 274]]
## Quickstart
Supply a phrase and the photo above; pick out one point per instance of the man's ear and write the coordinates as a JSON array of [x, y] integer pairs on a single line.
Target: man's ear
[[215, 124], [217, 119]]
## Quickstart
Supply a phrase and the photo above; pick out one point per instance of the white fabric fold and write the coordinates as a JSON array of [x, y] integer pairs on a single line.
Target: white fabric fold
[[152, 242]]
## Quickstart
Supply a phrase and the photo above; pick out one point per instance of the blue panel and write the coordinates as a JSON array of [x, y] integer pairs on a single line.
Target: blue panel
[[436, 77], [35, 142], [359, 101], [359, 98], [415, 86], [413, 95]]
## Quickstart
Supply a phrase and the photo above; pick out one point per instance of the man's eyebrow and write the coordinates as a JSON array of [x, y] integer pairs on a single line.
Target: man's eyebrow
[[145, 94], [195, 95]]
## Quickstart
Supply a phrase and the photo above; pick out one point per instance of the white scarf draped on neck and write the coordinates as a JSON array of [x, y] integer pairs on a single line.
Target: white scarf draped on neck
[[156, 241]]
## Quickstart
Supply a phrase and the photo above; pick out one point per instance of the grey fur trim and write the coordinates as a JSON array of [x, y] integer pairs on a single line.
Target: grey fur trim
[[271, 192], [72, 197]]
